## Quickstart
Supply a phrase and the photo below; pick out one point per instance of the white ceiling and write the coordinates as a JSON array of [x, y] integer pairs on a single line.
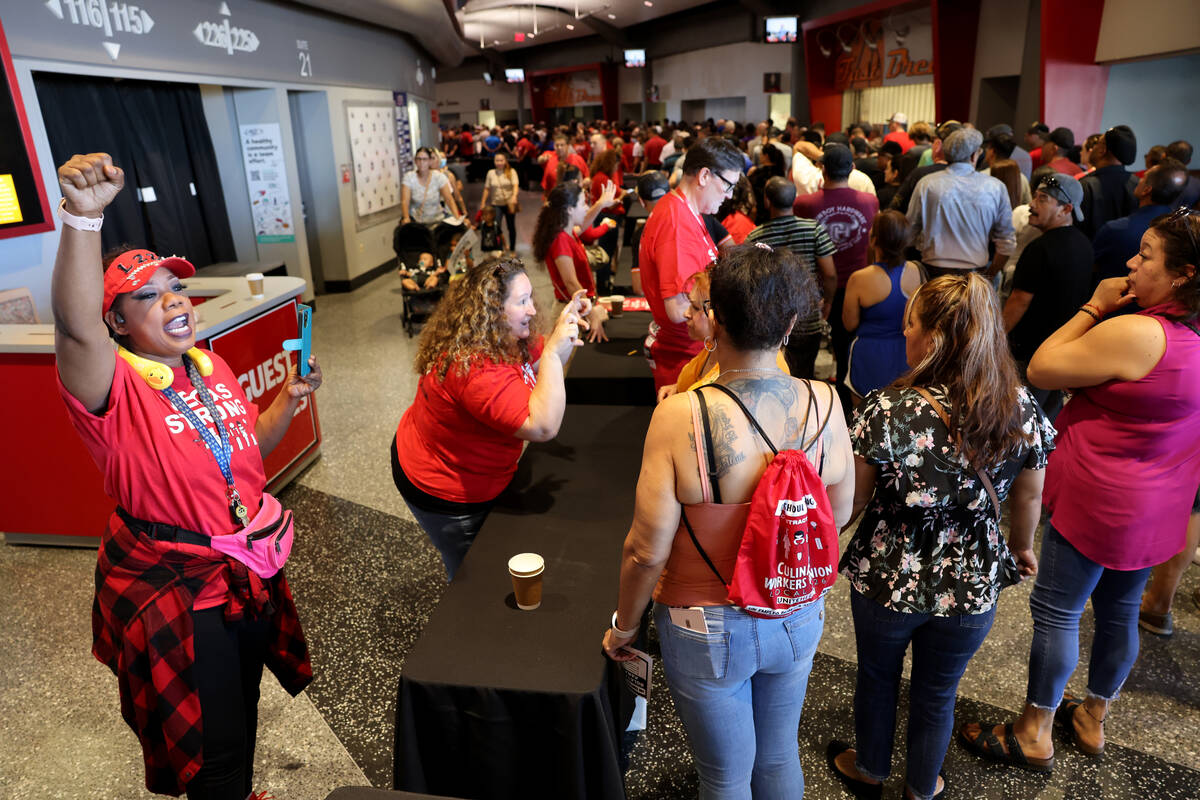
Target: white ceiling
[[493, 23]]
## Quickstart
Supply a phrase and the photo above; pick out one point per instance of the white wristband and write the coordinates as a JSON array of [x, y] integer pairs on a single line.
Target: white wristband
[[78, 223], [621, 633]]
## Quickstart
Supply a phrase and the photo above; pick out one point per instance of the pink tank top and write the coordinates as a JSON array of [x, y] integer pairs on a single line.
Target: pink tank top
[[1121, 481]]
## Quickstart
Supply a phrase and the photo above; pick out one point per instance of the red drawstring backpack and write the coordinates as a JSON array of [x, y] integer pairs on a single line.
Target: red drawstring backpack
[[789, 552]]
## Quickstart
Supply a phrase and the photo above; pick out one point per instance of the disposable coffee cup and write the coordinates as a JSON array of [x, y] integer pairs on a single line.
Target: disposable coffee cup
[[255, 280], [618, 305], [526, 570]]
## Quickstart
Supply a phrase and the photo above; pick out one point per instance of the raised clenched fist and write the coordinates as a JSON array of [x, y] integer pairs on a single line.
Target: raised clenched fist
[[89, 183]]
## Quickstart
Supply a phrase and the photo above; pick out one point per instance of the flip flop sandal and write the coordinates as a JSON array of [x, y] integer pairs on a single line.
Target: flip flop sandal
[[987, 745], [1065, 717]]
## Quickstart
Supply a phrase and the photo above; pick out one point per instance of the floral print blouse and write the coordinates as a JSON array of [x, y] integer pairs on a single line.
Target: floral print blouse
[[928, 541]]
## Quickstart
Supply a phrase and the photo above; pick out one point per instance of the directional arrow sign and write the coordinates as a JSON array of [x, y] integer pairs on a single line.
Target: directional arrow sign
[[147, 22], [55, 8], [113, 49]]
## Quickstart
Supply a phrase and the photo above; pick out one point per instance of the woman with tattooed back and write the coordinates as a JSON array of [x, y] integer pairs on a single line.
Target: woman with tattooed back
[[738, 680], [934, 454]]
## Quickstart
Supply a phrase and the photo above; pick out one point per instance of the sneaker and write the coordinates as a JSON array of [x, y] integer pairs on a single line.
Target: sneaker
[[1158, 624]]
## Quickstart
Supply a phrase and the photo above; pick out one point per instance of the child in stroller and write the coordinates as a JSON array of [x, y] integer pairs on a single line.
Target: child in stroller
[[425, 276]]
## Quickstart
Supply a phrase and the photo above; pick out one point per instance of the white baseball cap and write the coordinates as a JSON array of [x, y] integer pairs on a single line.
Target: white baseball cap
[[899, 117]]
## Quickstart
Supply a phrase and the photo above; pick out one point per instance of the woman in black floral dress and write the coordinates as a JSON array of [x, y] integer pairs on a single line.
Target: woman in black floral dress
[[935, 453]]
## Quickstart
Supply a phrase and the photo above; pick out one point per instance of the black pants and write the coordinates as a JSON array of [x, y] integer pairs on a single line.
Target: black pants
[[228, 670], [503, 214]]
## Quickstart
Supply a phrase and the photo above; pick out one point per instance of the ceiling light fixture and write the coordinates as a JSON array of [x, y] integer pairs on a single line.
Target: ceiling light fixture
[[530, 35]]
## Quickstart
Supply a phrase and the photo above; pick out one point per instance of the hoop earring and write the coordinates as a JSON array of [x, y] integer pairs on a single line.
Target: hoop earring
[[709, 344], [785, 340]]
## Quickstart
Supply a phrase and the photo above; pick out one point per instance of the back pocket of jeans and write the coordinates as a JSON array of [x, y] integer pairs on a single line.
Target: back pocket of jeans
[[696, 655], [804, 628]]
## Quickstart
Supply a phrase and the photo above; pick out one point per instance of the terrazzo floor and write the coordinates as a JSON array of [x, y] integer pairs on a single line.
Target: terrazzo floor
[[365, 580]]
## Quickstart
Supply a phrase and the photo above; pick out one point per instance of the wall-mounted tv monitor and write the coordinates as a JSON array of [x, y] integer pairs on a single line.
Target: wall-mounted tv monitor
[[24, 208], [780, 29], [487, 78], [514, 75], [635, 58]]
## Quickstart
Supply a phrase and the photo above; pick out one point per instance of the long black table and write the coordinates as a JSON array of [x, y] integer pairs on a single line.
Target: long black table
[[495, 702], [614, 372]]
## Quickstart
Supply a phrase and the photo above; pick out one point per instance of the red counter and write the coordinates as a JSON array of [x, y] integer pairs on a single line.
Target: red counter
[[52, 491]]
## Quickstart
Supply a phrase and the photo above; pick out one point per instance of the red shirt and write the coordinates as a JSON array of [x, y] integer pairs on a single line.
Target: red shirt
[[627, 157], [524, 148], [1066, 166], [599, 181], [155, 465], [457, 440], [567, 245], [675, 246], [653, 149], [738, 225], [846, 215], [900, 138], [550, 174], [1036, 156], [466, 144]]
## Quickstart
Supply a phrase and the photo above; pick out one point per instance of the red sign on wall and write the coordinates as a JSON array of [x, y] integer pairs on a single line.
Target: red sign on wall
[[254, 351]]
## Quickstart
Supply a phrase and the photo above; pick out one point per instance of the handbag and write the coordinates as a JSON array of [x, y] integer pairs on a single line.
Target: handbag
[[266, 541]]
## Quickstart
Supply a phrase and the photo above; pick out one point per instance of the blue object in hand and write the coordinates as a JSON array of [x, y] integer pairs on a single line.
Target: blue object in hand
[[304, 343]]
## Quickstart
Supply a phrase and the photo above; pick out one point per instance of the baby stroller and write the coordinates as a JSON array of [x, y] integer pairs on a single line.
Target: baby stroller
[[410, 241]]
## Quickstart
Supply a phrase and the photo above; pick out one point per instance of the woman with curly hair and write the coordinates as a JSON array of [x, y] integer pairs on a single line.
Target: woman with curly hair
[[935, 453], [487, 384], [560, 249]]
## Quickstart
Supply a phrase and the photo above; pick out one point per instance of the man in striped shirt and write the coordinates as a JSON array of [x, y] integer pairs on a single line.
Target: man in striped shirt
[[808, 240]]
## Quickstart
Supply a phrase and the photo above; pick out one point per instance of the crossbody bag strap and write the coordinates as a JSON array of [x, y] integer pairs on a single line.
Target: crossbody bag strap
[[708, 447], [698, 441], [699, 549], [984, 479], [732, 396], [812, 398]]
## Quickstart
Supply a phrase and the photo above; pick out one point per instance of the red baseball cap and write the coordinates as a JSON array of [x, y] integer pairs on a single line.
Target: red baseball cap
[[133, 268]]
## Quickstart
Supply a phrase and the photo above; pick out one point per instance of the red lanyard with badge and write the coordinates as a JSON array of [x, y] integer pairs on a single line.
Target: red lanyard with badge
[[712, 250]]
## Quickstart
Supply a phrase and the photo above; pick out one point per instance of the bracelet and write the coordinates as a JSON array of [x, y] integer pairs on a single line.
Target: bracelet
[[1094, 307], [1090, 313], [621, 633], [89, 224]]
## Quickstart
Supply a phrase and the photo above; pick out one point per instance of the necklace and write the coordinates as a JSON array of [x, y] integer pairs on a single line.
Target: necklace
[[748, 369]]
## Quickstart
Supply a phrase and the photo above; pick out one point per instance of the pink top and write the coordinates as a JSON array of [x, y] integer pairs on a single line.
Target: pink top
[[1121, 482]]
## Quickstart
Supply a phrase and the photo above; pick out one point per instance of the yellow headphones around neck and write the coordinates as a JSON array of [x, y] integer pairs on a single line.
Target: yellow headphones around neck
[[159, 375]]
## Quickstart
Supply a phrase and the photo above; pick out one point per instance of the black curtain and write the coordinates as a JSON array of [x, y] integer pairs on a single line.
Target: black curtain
[[156, 132]]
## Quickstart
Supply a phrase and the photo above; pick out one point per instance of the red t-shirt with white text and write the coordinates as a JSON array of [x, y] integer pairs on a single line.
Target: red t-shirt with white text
[[653, 149], [457, 440]]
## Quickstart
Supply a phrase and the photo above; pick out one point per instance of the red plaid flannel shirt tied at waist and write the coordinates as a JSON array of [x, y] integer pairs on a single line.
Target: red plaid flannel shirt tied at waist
[[142, 630]]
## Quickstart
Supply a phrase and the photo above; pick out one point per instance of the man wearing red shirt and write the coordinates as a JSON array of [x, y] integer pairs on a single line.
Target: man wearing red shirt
[[562, 151], [675, 245], [898, 131], [1058, 144], [654, 147], [466, 144]]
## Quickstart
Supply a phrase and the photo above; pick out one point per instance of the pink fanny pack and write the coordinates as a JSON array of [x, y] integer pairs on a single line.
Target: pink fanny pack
[[265, 543]]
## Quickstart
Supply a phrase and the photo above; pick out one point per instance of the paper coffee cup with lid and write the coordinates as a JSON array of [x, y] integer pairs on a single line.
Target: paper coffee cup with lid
[[526, 570]]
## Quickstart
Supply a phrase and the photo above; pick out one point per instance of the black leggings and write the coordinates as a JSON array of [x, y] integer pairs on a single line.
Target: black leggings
[[228, 669], [502, 213]]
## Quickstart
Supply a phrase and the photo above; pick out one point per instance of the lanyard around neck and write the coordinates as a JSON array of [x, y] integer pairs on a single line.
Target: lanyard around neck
[[217, 444]]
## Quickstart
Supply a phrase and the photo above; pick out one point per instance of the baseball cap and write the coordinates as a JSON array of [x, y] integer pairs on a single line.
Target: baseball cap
[[133, 268], [653, 185], [946, 128], [1064, 189], [1063, 137], [1120, 141], [899, 117], [838, 159], [998, 130]]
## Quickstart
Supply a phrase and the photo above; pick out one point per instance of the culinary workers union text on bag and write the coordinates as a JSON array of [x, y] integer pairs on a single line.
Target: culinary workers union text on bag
[[789, 551]]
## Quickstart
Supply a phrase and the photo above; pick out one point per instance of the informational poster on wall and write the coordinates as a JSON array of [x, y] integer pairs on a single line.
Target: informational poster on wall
[[884, 51], [266, 180], [373, 149], [573, 89], [404, 137]]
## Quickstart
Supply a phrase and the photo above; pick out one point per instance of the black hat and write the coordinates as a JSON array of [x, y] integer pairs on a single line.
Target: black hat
[[998, 130], [1063, 137], [838, 161], [653, 185], [1120, 141]]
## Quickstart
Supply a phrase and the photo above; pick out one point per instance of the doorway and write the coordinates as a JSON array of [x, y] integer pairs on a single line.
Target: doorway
[[317, 178]]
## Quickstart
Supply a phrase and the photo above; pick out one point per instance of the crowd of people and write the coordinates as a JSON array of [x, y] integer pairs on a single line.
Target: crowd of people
[[1008, 323]]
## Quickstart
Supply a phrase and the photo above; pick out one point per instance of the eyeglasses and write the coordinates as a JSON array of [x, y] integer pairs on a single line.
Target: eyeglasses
[[1182, 213], [728, 183]]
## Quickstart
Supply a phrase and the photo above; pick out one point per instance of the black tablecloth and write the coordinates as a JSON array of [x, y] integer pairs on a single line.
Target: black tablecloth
[[615, 372], [495, 702], [367, 793]]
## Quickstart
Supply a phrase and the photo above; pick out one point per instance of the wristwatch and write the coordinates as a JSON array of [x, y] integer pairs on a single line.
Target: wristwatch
[[78, 223]]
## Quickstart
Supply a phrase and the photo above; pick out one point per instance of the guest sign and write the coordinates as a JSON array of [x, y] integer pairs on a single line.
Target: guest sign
[[266, 180]]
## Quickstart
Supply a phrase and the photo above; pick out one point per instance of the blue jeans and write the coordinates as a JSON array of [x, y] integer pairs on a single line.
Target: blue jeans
[[941, 648], [739, 690], [1066, 579], [451, 534]]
